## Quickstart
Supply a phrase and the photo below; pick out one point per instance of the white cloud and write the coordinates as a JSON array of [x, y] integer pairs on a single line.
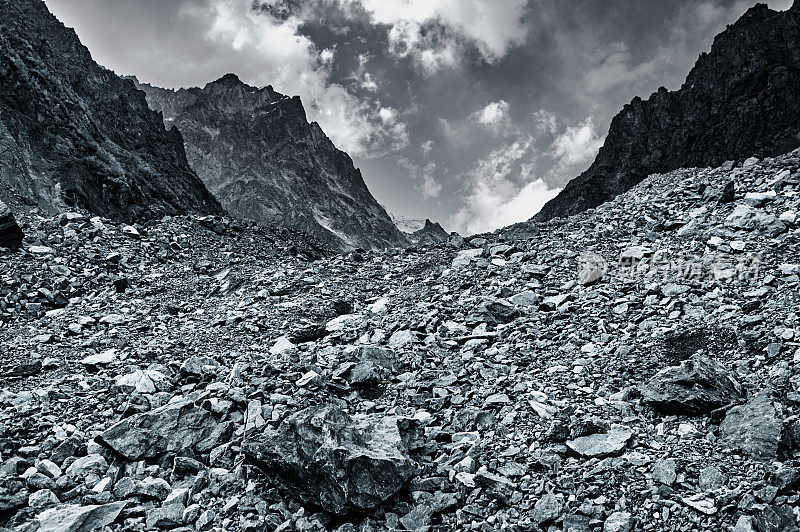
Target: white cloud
[[494, 25], [502, 190], [577, 144], [424, 178], [426, 147], [494, 116]]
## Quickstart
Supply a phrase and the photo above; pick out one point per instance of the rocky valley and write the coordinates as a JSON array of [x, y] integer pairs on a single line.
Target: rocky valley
[[290, 357]]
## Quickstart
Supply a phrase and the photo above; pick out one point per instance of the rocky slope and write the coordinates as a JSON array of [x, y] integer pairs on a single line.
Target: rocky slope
[[258, 154], [739, 100], [633, 367], [72, 132]]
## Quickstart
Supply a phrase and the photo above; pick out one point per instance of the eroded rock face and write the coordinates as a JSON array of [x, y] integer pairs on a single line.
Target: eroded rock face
[[739, 100], [336, 461], [10, 233], [257, 153], [697, 386], [102, 148]]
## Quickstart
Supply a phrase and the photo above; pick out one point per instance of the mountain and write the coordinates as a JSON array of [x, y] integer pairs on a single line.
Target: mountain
[[74, 133], [256, 151], [740, 100]]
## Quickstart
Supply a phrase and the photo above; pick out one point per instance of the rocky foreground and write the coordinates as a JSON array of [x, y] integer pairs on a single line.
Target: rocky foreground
[[630, 368]]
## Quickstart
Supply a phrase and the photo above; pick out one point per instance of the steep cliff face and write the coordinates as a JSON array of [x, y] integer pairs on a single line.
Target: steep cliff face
[[742, 99], [257, 153], [72, 132]]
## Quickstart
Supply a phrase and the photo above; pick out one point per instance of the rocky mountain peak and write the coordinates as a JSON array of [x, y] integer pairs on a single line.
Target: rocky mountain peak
[[256, 151], [739, 100], [102, 148]]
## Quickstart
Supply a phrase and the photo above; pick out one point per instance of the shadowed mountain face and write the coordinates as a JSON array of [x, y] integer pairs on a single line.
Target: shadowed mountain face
[[72, 132], [740, 100], [257, 153]]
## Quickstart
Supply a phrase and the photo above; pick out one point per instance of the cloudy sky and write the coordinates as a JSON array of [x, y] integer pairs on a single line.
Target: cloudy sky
[[470, 112]]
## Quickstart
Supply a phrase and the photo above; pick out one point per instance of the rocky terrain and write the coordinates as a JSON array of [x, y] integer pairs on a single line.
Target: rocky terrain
[[740, 100], [629, 368], [259, 155], [73, 133]]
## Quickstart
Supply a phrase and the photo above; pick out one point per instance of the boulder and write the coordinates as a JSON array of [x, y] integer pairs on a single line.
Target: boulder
[[10, 234], [601, 445], [697, 386], [172, 427], [494, 312], [339, 462], [753, 428], [74, 518]]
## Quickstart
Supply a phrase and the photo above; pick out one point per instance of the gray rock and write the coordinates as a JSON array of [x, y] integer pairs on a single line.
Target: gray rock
[[753, 428], [618, 522], [664, 472], [711, 478], [547, 509], [74, 518], [337, 461], [601, 445], [13, 494], [172, 427], [697, 386], [494, 312], [10, 234]]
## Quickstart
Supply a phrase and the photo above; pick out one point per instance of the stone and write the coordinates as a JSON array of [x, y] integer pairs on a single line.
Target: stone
[[13, 494], [100, 359], [753, 428], [92, 464], [168, 516], [745, 523], [700, 503], [601, 445], [494, 312], [618, 522], [697, 386], [664, 472], [173, 427], [777, 519], [42, 499], [547, 509], [711, 479], [10, 233], [74, 518], [338, 461]]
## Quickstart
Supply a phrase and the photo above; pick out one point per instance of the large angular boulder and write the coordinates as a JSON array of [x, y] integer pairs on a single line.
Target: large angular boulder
[[339, 462], [76, 518], [10, 233], [697, 386], [173, 427], [754, 429]]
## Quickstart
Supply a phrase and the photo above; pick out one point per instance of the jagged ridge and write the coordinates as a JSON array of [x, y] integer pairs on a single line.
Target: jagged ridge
[[740, 100], [256, 151], [73, 132]]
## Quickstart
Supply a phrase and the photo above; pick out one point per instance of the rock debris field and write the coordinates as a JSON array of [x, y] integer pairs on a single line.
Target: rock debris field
[[631, 368]]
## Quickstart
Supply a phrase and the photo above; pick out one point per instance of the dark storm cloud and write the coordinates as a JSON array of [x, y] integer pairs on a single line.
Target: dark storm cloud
[[472, 112]]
